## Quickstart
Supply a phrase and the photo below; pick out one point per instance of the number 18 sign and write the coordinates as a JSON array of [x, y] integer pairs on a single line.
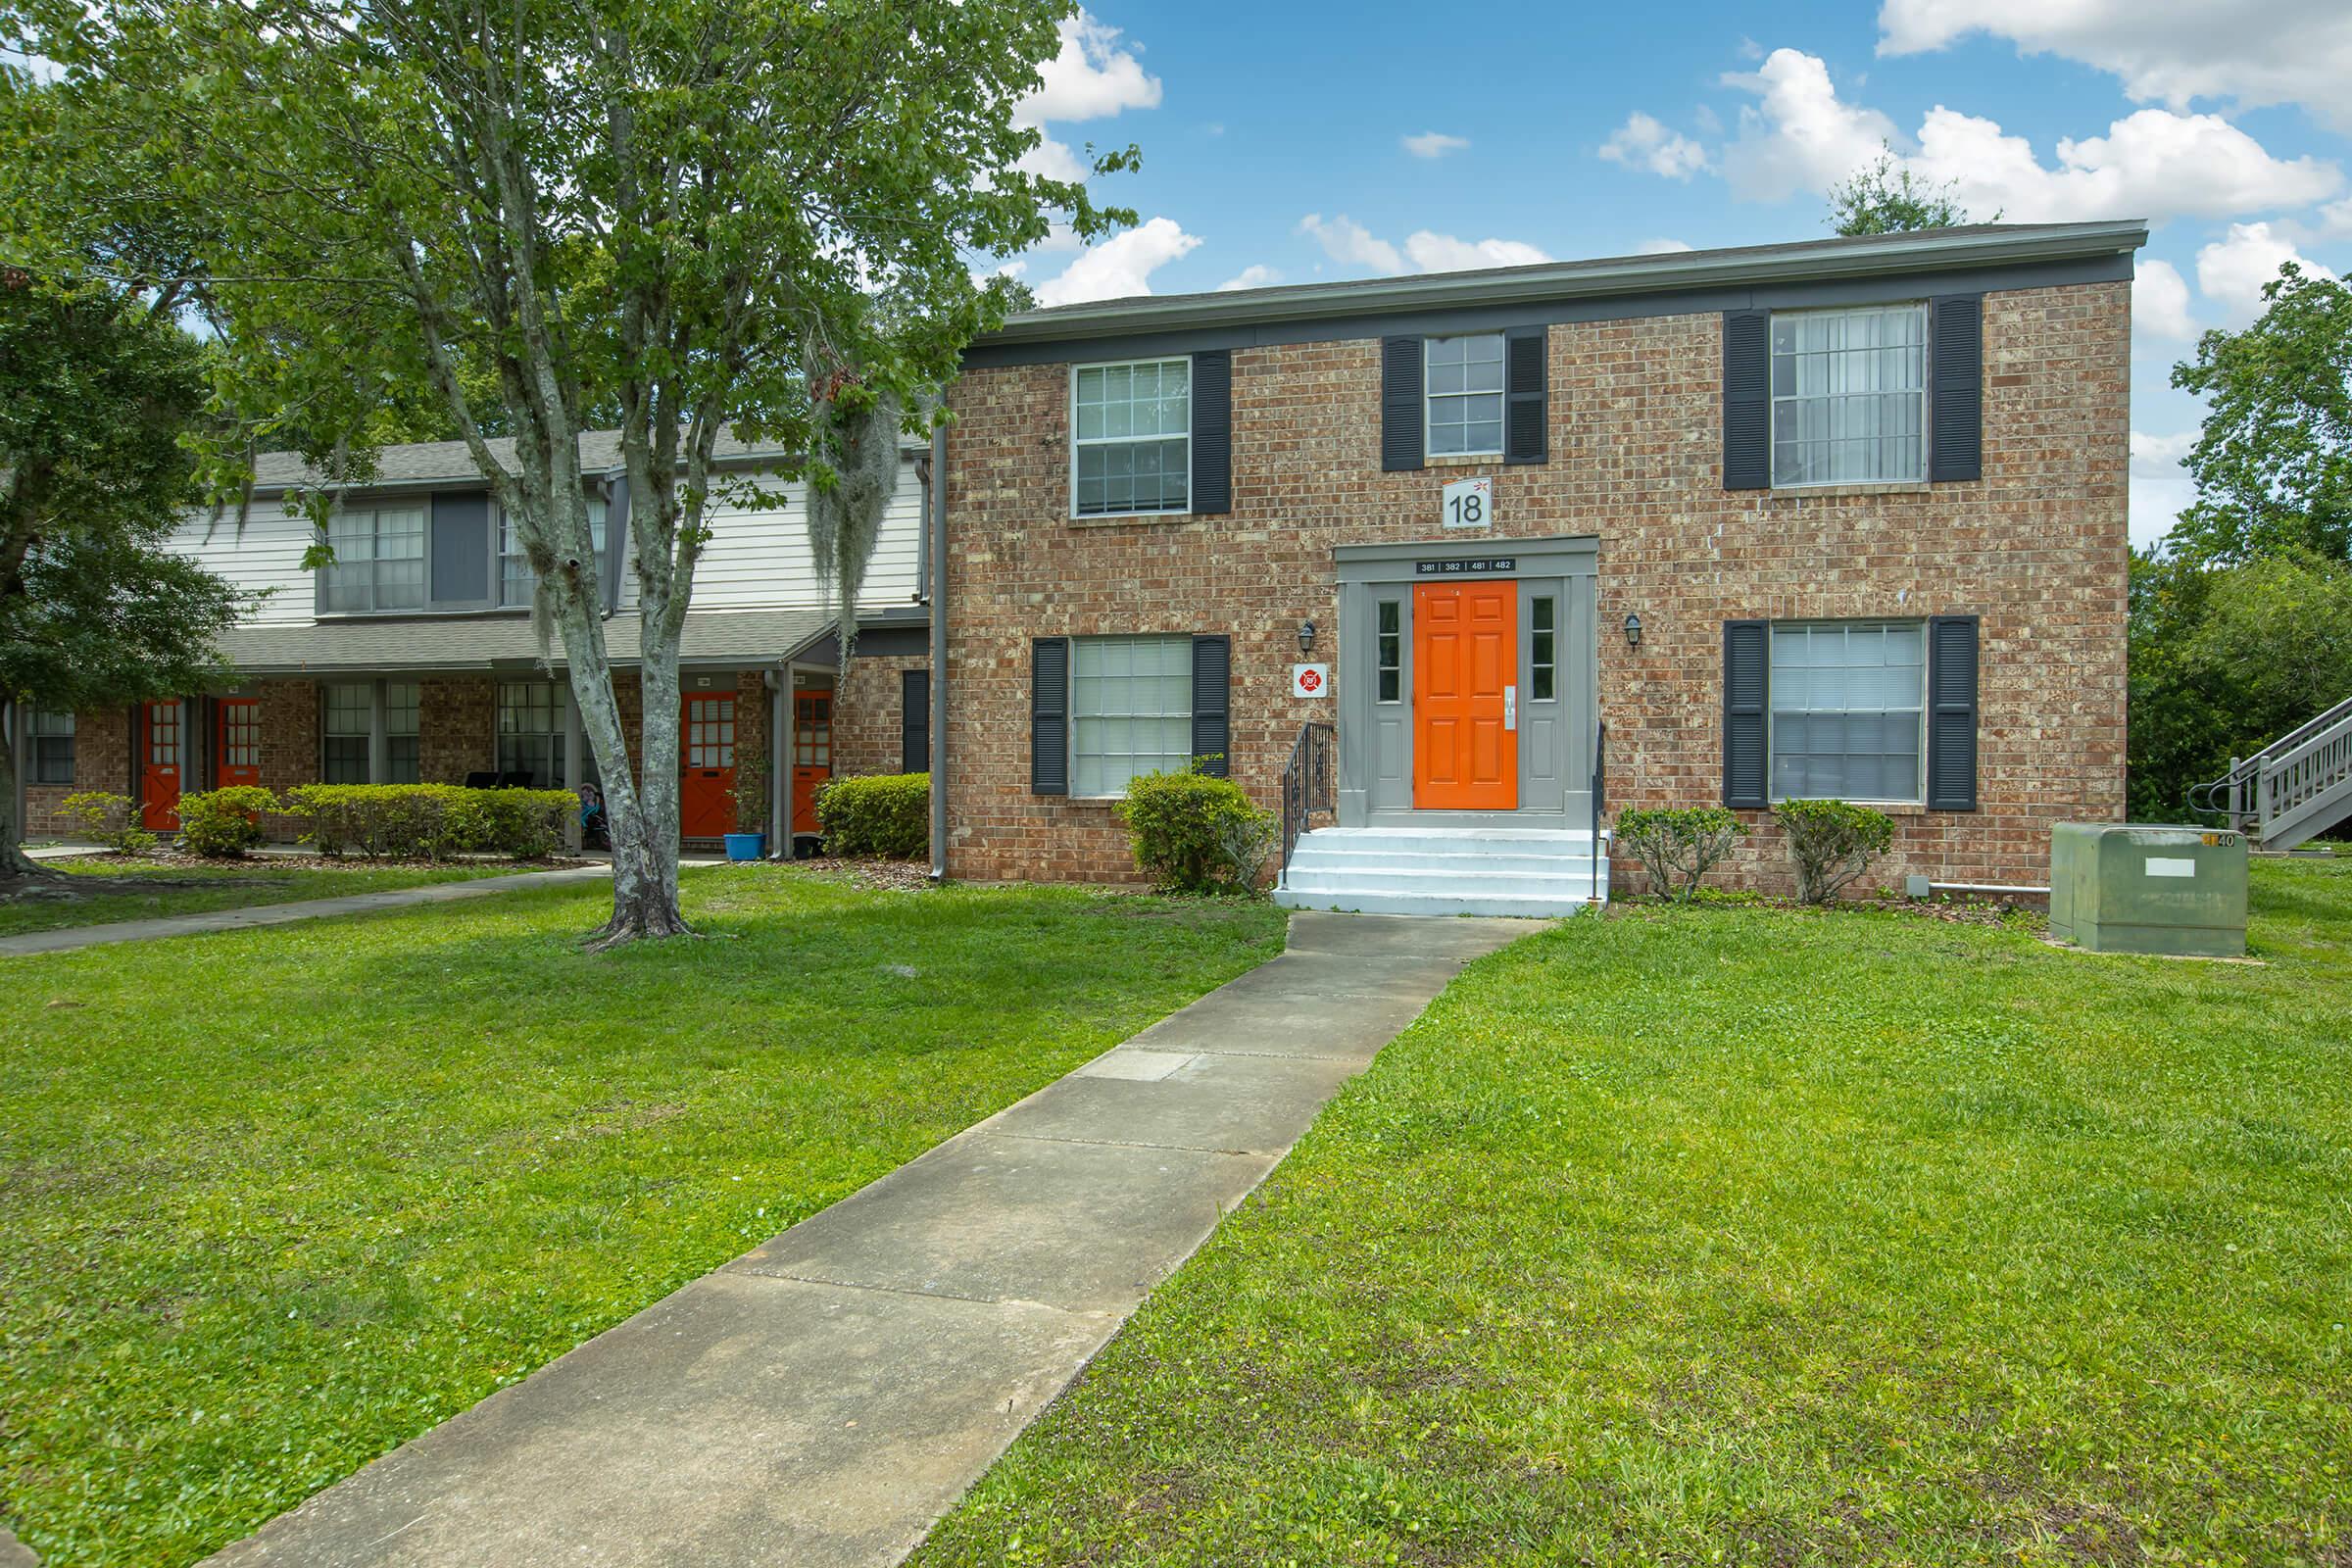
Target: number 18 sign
[[1468, 504]]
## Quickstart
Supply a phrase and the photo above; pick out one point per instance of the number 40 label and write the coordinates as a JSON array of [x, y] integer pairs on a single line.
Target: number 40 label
[[1468, 504]]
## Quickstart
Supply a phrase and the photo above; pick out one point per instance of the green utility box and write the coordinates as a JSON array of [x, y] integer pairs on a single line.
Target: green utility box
[[2117, 888]]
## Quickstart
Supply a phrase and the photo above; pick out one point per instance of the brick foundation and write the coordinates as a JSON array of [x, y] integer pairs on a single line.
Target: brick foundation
[[2036, 548]]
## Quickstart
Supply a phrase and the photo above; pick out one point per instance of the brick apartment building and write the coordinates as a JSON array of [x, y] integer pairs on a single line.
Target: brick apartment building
[[1843, 517], [412, 659]]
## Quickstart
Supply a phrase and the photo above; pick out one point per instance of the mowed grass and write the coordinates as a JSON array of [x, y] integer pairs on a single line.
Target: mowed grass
[[278, 1200], [1745, 1236], [199, 890]]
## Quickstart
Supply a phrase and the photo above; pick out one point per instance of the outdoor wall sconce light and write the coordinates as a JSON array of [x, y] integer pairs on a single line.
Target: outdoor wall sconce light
[[1632, 631], [1306, 637]]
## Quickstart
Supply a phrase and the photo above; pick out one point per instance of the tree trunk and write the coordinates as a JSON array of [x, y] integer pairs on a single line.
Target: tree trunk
[[13, 861], [642, 817]]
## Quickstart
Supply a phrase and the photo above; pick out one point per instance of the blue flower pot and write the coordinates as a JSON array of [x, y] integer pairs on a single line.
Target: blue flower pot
[[747, 846]]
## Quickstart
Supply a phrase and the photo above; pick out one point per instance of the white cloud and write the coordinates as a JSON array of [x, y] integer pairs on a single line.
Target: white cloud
[[2166, 51], [1345, 240], [2156, 164], [1052, 160], [2161, 488], [2151, 164], [1348, 241], [1121, 265], [2160, 302], [1661, 246], [2233, 270], [1435, 144], [1254, 276], [1642, 142], [1799, 135], [1443, 253], [1092, 76]]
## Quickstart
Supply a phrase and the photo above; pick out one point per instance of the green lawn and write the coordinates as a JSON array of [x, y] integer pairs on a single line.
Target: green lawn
[[1736, 1235], [197, 890], [390, 1163]]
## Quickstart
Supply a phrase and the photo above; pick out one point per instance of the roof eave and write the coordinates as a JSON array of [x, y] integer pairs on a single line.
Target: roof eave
[[1924, 250]]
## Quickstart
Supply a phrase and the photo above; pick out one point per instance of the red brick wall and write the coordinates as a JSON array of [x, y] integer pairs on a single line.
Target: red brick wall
[[101, 762], [868, 713], [2036, 548]]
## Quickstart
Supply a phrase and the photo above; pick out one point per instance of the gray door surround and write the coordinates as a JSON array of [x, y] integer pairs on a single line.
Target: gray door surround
[[1555, 738]]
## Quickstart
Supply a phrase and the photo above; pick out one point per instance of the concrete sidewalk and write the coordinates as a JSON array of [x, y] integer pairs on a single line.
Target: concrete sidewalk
[[826, 1396], [181, 925]]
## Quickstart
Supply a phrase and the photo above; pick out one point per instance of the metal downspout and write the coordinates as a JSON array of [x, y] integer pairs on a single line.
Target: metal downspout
[[938, 586]]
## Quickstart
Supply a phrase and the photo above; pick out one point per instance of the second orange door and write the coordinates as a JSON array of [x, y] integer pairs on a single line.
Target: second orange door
[[706, 785], [1465, 667]]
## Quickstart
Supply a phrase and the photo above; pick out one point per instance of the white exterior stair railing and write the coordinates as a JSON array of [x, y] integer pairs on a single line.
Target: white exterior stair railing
[[2298, 786]]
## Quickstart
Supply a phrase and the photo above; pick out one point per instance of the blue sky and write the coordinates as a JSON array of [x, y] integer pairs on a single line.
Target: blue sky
[[1286, 142]]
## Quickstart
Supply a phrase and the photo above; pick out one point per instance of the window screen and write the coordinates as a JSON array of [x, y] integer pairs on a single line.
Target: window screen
[[1850, 395], [379, 560], [1131, 437], [1848, 705], [1131, 710], [1466, 395]]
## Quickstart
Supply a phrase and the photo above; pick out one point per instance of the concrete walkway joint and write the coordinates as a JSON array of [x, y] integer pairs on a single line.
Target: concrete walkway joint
[[822, 1400]]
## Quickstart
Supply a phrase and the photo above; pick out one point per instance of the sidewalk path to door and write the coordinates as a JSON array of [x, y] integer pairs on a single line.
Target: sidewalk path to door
[[181, 925], [824, 1397]]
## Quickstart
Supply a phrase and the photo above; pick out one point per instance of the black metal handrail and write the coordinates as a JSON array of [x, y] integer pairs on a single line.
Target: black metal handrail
[[1309, 784], [1600, 748]]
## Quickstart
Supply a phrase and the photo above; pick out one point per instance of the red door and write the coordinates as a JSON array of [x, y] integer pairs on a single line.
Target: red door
[[706, 796], [160, 754], [240, 741], [811, 756], [1465, 671]]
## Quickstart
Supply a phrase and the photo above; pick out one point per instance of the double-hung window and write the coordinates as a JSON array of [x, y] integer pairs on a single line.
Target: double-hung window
[[517, 582], [52, 748], [401, 742], [1850, 395], [1848, 710], [1465, 396], [379, 560], [1131, 438], [531, 717], [1131, 710], [346, 733]]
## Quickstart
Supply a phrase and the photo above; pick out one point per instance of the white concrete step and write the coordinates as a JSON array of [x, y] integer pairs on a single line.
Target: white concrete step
[[1440, 871]]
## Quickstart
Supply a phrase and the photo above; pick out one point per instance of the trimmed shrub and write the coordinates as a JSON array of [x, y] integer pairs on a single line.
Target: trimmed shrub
[[111, 819], [1831, 843], [430, 821], [1678, 844], [887, 816], [223, 824], [1198, 834]]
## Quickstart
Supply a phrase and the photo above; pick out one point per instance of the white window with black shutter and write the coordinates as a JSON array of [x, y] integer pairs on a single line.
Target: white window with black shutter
[[1463, 394], [1871, 394], [1152, 436], [1881, 712], [1105, 711]]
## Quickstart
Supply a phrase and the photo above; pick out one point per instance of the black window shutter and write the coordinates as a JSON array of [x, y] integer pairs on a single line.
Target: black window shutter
[[1212, 705], [914, 721], [1953, 713], [1049, 716], [1747, 399], [1746, 688], [1955, 387], [463, 541], [1213, 430], [1524, 414], [1401, 412]]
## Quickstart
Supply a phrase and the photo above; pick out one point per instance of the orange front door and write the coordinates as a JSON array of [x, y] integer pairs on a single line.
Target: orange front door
[[706, 797], [240, 741], [161, 753], [811, 756], [1465, 671]]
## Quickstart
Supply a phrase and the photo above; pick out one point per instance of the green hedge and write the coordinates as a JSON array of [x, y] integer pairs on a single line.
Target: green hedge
[[1831, 842], [111, 819], [430, 821], [1198, 834], [223, 824], [885, 815], [1677, 845]]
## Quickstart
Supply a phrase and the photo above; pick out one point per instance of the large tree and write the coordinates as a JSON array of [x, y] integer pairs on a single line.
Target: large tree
[[698, 214], [97, 392], [2273, 464]]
